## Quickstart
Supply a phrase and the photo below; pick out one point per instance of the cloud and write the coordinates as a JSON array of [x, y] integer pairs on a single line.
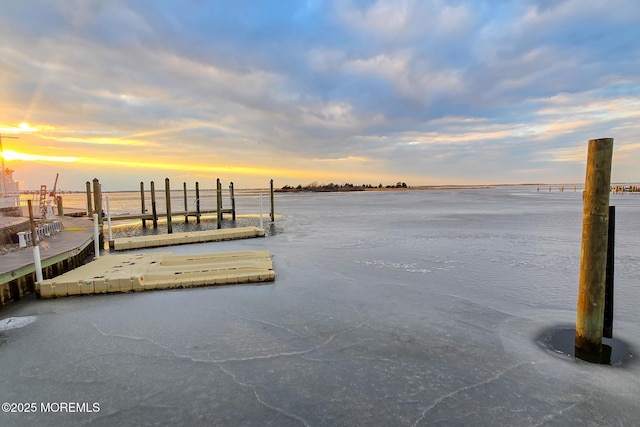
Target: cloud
[[466, 91]]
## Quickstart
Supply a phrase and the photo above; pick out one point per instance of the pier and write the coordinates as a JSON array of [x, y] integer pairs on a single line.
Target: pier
[[73, 241], [61, 252], [94, 205]]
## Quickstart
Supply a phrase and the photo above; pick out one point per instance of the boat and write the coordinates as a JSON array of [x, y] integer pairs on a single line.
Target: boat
[[9, 194]]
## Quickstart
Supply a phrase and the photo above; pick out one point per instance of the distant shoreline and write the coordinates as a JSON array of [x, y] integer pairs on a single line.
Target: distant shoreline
[[343, 189], [542, 186]]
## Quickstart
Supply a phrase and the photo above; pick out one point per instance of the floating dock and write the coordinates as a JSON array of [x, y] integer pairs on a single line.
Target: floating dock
[[151, 241], [161, 270]]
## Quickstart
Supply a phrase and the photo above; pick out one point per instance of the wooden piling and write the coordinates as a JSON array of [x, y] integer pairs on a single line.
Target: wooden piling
[[97, 199], [273, 214], [97, 203], [167, 196], [197, 203], [233, 201], [143, 209], [154, 211], [32, 224], [186, 203], [607, 331], [89, 205], [219, 202], [60, 206], [593, 254]]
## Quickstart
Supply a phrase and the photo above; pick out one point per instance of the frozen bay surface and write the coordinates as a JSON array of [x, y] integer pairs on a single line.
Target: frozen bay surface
[[389, 308]]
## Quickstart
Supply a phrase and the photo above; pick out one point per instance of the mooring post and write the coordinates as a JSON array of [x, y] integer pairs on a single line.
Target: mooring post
[[109, 232], [261, 223], [60, 207], [97, 199], [186, 204], [32, 223], [233, 201], [593, 253], [97, 203], [96, 236], [607, 331], [219, 202], [37, 262], [273, 214], [143, 209], [197, 203], [154, 212], [167, 196], [89, 206]]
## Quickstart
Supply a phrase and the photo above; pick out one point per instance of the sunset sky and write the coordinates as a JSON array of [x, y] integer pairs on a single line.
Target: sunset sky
[[361, 91]]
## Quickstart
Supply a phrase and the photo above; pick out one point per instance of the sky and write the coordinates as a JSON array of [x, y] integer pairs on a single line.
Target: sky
[[427, 92]]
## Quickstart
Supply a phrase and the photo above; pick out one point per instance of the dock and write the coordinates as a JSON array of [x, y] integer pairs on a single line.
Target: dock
[[161, 270], [151, 241], [60, 253]]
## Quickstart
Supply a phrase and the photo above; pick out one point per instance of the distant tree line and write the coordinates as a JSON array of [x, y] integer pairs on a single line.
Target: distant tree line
[[315, 187]]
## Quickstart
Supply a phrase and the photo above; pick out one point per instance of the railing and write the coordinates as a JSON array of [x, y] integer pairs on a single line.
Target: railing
[[25, 238]]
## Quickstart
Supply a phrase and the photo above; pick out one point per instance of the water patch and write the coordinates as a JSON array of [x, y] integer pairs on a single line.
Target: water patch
[[560, 341], [15, 322]]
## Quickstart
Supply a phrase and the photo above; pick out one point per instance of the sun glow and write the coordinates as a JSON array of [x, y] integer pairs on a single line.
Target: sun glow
[[23, 127], [15, 155]]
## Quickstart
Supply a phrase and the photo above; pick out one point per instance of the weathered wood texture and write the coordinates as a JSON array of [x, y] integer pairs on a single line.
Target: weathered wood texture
[[593, 254]]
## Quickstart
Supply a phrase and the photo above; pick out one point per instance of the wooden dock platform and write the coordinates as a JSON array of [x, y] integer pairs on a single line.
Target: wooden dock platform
[[59, 252], [156, 240], [161, 270]]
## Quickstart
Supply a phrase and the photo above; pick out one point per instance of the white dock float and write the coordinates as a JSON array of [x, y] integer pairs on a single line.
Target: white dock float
[[150, 241], [162, 270]]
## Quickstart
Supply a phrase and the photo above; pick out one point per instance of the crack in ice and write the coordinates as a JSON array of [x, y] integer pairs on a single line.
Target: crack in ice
[[264, 322], [559, 412], [465, 388], [259, 399], [219, 362]]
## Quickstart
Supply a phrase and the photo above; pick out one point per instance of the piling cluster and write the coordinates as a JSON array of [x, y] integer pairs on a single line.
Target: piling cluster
[[625, 188], [24, 278]]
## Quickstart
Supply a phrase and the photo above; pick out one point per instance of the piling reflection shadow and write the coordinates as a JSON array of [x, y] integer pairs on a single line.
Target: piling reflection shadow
[[560, 341]]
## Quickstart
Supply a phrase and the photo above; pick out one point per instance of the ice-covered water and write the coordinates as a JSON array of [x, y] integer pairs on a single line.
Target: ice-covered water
[[389, 308]]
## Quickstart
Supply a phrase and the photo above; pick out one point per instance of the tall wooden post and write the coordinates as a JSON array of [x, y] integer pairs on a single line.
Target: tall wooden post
[[143, 209], [167, 196], [97, 199], [97, 203], [233, 201], [593, 253], [186, 204], [59, 204], [219, 202], [154, 211], [273, 214], [197, 203], [32, 224], [607, 331], [37, 262], [89, 204]]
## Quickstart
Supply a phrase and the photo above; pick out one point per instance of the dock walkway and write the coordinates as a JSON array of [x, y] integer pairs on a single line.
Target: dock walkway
[[151, 241], [59, 252]]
